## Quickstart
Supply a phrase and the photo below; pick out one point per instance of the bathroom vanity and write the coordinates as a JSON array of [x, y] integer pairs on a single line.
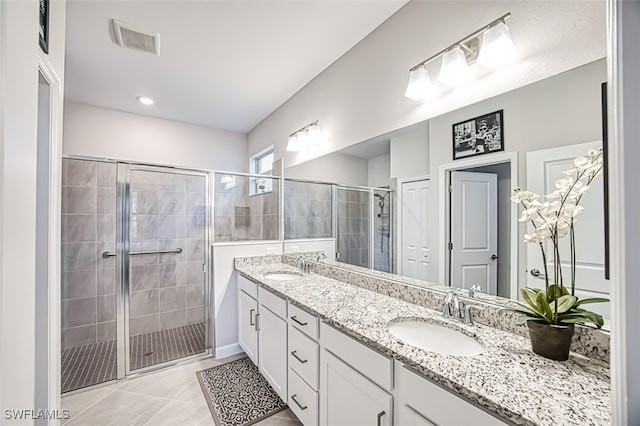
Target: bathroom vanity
[[327, 350]]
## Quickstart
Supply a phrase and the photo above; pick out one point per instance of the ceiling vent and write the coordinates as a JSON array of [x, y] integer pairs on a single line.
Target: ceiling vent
[[134, 38]]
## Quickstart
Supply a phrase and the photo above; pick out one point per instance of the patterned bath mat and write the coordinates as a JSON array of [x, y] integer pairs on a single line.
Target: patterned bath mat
[[237, 394]]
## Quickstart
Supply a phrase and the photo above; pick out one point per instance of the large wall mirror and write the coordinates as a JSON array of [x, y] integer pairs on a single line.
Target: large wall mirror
[[400, 204]]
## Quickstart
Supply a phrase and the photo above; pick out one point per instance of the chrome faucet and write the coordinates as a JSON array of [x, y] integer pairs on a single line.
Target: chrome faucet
[[454, 308], [476, 288], [451, 306], [304, 266], [320, 257]]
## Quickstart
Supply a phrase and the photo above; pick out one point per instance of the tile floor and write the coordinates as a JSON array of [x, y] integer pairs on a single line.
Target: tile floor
[[169, 397]]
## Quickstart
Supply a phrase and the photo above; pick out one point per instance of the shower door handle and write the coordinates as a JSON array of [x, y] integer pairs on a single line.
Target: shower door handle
[[107, 254]]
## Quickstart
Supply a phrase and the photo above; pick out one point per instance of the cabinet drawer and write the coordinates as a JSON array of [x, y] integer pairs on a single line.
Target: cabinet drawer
[[303, 356], [375, 366], [303, 321], [272, 302], [248, 287], [303, 400], [422, 399]]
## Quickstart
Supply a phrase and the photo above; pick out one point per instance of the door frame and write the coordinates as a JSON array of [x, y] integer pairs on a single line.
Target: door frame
[[444, 210], [399, 242]]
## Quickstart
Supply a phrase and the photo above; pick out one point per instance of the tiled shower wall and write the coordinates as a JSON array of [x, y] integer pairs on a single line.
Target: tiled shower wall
[[167, 212], [88, 229], [307, 210], [382, 228], [239, 216], [353, 226]]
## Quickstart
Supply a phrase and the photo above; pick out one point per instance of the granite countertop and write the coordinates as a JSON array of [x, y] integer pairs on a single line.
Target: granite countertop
[[507, 379]]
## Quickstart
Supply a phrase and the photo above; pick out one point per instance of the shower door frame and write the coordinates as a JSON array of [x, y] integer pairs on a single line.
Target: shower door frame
[[123, 219]]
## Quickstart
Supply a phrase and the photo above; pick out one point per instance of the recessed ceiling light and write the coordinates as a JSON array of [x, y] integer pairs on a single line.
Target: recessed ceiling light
[[145, 100]]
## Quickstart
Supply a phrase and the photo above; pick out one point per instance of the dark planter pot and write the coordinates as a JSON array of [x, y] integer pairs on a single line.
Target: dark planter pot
[[550, 340]]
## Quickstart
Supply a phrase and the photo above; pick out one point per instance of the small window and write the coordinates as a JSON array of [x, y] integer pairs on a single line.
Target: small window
[[261, 164]]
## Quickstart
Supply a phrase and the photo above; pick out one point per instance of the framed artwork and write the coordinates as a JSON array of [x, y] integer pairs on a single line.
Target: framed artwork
[[477, 136], [44, 25]]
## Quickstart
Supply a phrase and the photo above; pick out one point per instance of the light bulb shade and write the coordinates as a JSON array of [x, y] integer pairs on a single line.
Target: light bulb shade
[[315, 134], [454, 70], [294, 144], [419, 84], [497, 47]]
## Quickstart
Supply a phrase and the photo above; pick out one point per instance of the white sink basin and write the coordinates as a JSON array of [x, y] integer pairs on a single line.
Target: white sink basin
[[283, 276], [435, 338]]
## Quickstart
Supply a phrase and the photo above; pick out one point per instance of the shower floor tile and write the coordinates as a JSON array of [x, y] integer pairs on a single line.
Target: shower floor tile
[[88, 365]]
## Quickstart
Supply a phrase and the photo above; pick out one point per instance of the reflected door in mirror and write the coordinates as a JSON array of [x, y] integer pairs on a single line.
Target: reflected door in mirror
[[416, 245]]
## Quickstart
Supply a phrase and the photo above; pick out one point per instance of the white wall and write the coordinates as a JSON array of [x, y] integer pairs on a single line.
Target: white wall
[[379, 172], [335, 168], [18, 188], [562, 110], [104, 133], [225, 293], [361, 95], [410, 153]]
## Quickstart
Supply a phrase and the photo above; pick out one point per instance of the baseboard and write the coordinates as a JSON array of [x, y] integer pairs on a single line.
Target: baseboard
[[228, 350]]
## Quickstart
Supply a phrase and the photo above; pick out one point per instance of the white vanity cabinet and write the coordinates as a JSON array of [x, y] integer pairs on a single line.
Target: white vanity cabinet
[[262, 332], [420, 402], [355, 382], [247, 312], [304, 362]]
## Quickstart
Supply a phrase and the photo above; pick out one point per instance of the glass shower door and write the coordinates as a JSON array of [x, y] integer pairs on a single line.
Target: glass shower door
[[354, 226], [164, 233]]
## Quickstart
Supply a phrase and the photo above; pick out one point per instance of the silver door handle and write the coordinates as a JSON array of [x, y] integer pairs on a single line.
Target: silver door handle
[[295, 355], [257, 327], [138, 253], [536, 273], [494, 257], [251, 319], [293, 398], [380, 414]]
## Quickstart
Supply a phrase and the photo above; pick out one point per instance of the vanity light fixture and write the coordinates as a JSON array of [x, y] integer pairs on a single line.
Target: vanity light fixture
[[144, 100], [419, 84], [491, 46], [307, 137]]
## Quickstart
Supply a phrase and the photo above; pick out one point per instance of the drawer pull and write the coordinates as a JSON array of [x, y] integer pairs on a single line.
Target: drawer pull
[[380, 414], [251, 320], [298, 321], [302, 361], [257, 327], [293, 398]]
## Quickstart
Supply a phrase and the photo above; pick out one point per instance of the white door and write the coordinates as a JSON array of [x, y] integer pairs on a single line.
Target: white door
[[247, 329], [349, 398], [416, 245], [474, 231], [544, 167], [272, 356]]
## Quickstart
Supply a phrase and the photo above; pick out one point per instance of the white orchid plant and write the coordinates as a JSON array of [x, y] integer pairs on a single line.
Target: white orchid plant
[[552, 219]]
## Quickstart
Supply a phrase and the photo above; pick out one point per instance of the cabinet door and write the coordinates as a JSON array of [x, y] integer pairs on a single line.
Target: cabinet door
[[273, 350], [349, 398], [247, 330], [408, 416]]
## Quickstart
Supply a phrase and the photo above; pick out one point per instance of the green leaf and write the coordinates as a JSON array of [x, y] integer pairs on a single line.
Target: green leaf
[[565, 303], [591, 300], [582, 317], [543, 306], [529, 296]]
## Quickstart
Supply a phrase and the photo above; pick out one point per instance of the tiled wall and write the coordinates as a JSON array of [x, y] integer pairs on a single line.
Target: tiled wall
[[307, 210], [239, 216], [382, 228], [167, 291], [167, 212], [88, 229], [353, 226]]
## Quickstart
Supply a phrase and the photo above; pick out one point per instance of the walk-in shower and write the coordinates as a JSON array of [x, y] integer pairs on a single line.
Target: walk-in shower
[[134, 287]]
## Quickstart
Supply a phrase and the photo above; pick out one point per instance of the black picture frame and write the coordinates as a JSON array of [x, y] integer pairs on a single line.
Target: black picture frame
[[44, 26], [480, 135]]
